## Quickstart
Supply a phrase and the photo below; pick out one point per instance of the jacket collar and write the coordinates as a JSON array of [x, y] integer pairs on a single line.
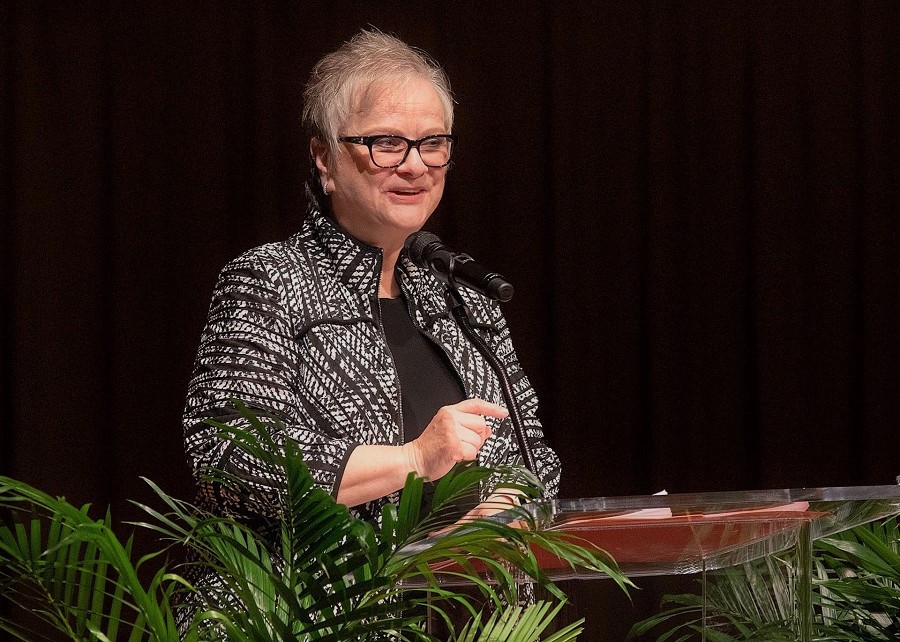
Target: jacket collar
[[358, 265], [355, 263]]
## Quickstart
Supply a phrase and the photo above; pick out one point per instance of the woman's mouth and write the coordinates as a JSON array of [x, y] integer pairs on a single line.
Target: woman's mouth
[[406, 195]]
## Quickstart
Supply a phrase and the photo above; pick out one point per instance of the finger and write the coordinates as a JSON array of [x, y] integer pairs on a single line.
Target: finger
[[478, 406], [474, 438], [474, 424]]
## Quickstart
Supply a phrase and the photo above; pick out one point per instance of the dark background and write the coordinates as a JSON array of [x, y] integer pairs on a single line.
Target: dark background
[[696, 202]]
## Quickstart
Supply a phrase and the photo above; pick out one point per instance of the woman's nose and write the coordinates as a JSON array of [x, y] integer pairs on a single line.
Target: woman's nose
[[413, 163]]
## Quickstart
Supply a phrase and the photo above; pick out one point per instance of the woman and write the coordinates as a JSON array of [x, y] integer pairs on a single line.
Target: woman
[[335, 333]]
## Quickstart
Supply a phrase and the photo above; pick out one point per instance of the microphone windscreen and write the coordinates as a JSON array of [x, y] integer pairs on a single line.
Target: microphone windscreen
[[416, 245]]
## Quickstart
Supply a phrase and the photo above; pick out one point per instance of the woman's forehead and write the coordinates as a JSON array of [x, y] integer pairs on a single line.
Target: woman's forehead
[[416, 96]]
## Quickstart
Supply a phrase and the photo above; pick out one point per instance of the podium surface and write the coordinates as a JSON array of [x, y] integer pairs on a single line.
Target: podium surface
[[693, 533], [704, 532]]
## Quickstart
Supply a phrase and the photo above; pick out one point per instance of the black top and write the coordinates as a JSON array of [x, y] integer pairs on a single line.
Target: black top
[[427, 380]]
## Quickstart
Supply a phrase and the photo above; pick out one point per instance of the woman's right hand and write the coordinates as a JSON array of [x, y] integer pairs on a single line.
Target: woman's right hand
[[455, 434]]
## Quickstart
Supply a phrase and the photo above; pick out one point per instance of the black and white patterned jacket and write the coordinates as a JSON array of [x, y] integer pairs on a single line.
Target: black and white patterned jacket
[[294, 332]]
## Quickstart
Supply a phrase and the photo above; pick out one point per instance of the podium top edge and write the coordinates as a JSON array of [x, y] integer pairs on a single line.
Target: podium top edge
[[727, 499]]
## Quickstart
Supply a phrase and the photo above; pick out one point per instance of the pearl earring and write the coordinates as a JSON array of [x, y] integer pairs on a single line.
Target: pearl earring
[[325, 188]]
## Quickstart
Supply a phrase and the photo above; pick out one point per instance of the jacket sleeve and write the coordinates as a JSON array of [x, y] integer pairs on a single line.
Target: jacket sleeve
[[248, 352], [547, 461]]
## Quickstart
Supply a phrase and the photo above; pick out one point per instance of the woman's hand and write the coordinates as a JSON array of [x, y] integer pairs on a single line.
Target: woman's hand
[[455, 434], [500, 500]]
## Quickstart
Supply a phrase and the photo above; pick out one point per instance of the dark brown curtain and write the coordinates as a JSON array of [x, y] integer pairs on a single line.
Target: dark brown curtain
[[696, 201]]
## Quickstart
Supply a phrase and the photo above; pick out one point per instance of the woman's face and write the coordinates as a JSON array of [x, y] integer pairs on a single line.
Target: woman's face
[[384, 206]]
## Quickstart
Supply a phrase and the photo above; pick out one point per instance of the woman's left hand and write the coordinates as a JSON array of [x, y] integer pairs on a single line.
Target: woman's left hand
[[499, 501]]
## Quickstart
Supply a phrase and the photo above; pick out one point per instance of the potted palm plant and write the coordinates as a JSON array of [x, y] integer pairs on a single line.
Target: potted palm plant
[[315, 573]]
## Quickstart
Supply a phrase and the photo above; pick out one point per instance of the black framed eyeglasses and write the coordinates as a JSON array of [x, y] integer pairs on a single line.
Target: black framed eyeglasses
[[388, 151]]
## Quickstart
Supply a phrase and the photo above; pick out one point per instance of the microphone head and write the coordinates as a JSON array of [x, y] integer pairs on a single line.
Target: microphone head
[[418, 245], [501, 290]]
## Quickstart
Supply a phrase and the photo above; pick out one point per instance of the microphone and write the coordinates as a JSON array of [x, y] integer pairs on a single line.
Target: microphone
[[427, 251]]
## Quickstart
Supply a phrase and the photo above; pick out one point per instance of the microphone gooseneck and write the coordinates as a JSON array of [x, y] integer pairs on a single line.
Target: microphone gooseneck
[[426, 250]]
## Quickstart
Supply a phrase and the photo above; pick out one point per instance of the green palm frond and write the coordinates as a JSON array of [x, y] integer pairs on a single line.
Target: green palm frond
[[362, 574], [856, 594], [518, 624], [73, 573], [860, 597], [313, 572]]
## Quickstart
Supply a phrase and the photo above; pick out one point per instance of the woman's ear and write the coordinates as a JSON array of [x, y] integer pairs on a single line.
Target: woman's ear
[[319, 152]]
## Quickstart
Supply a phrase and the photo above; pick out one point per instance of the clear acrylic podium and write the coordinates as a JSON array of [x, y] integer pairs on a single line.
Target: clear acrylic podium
[[701, 533], [704, 532]]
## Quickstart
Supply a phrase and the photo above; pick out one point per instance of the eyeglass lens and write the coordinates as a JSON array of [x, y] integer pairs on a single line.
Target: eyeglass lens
[[391, 151]]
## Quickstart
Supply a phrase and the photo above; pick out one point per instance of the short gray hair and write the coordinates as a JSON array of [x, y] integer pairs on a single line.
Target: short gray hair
[[346, 78]]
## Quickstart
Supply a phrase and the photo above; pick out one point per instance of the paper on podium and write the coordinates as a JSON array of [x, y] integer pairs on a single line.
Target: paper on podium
[[641, 513]]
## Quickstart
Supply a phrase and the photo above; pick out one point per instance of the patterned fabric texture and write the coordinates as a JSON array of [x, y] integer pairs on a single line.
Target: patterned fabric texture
[[294, 332]]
